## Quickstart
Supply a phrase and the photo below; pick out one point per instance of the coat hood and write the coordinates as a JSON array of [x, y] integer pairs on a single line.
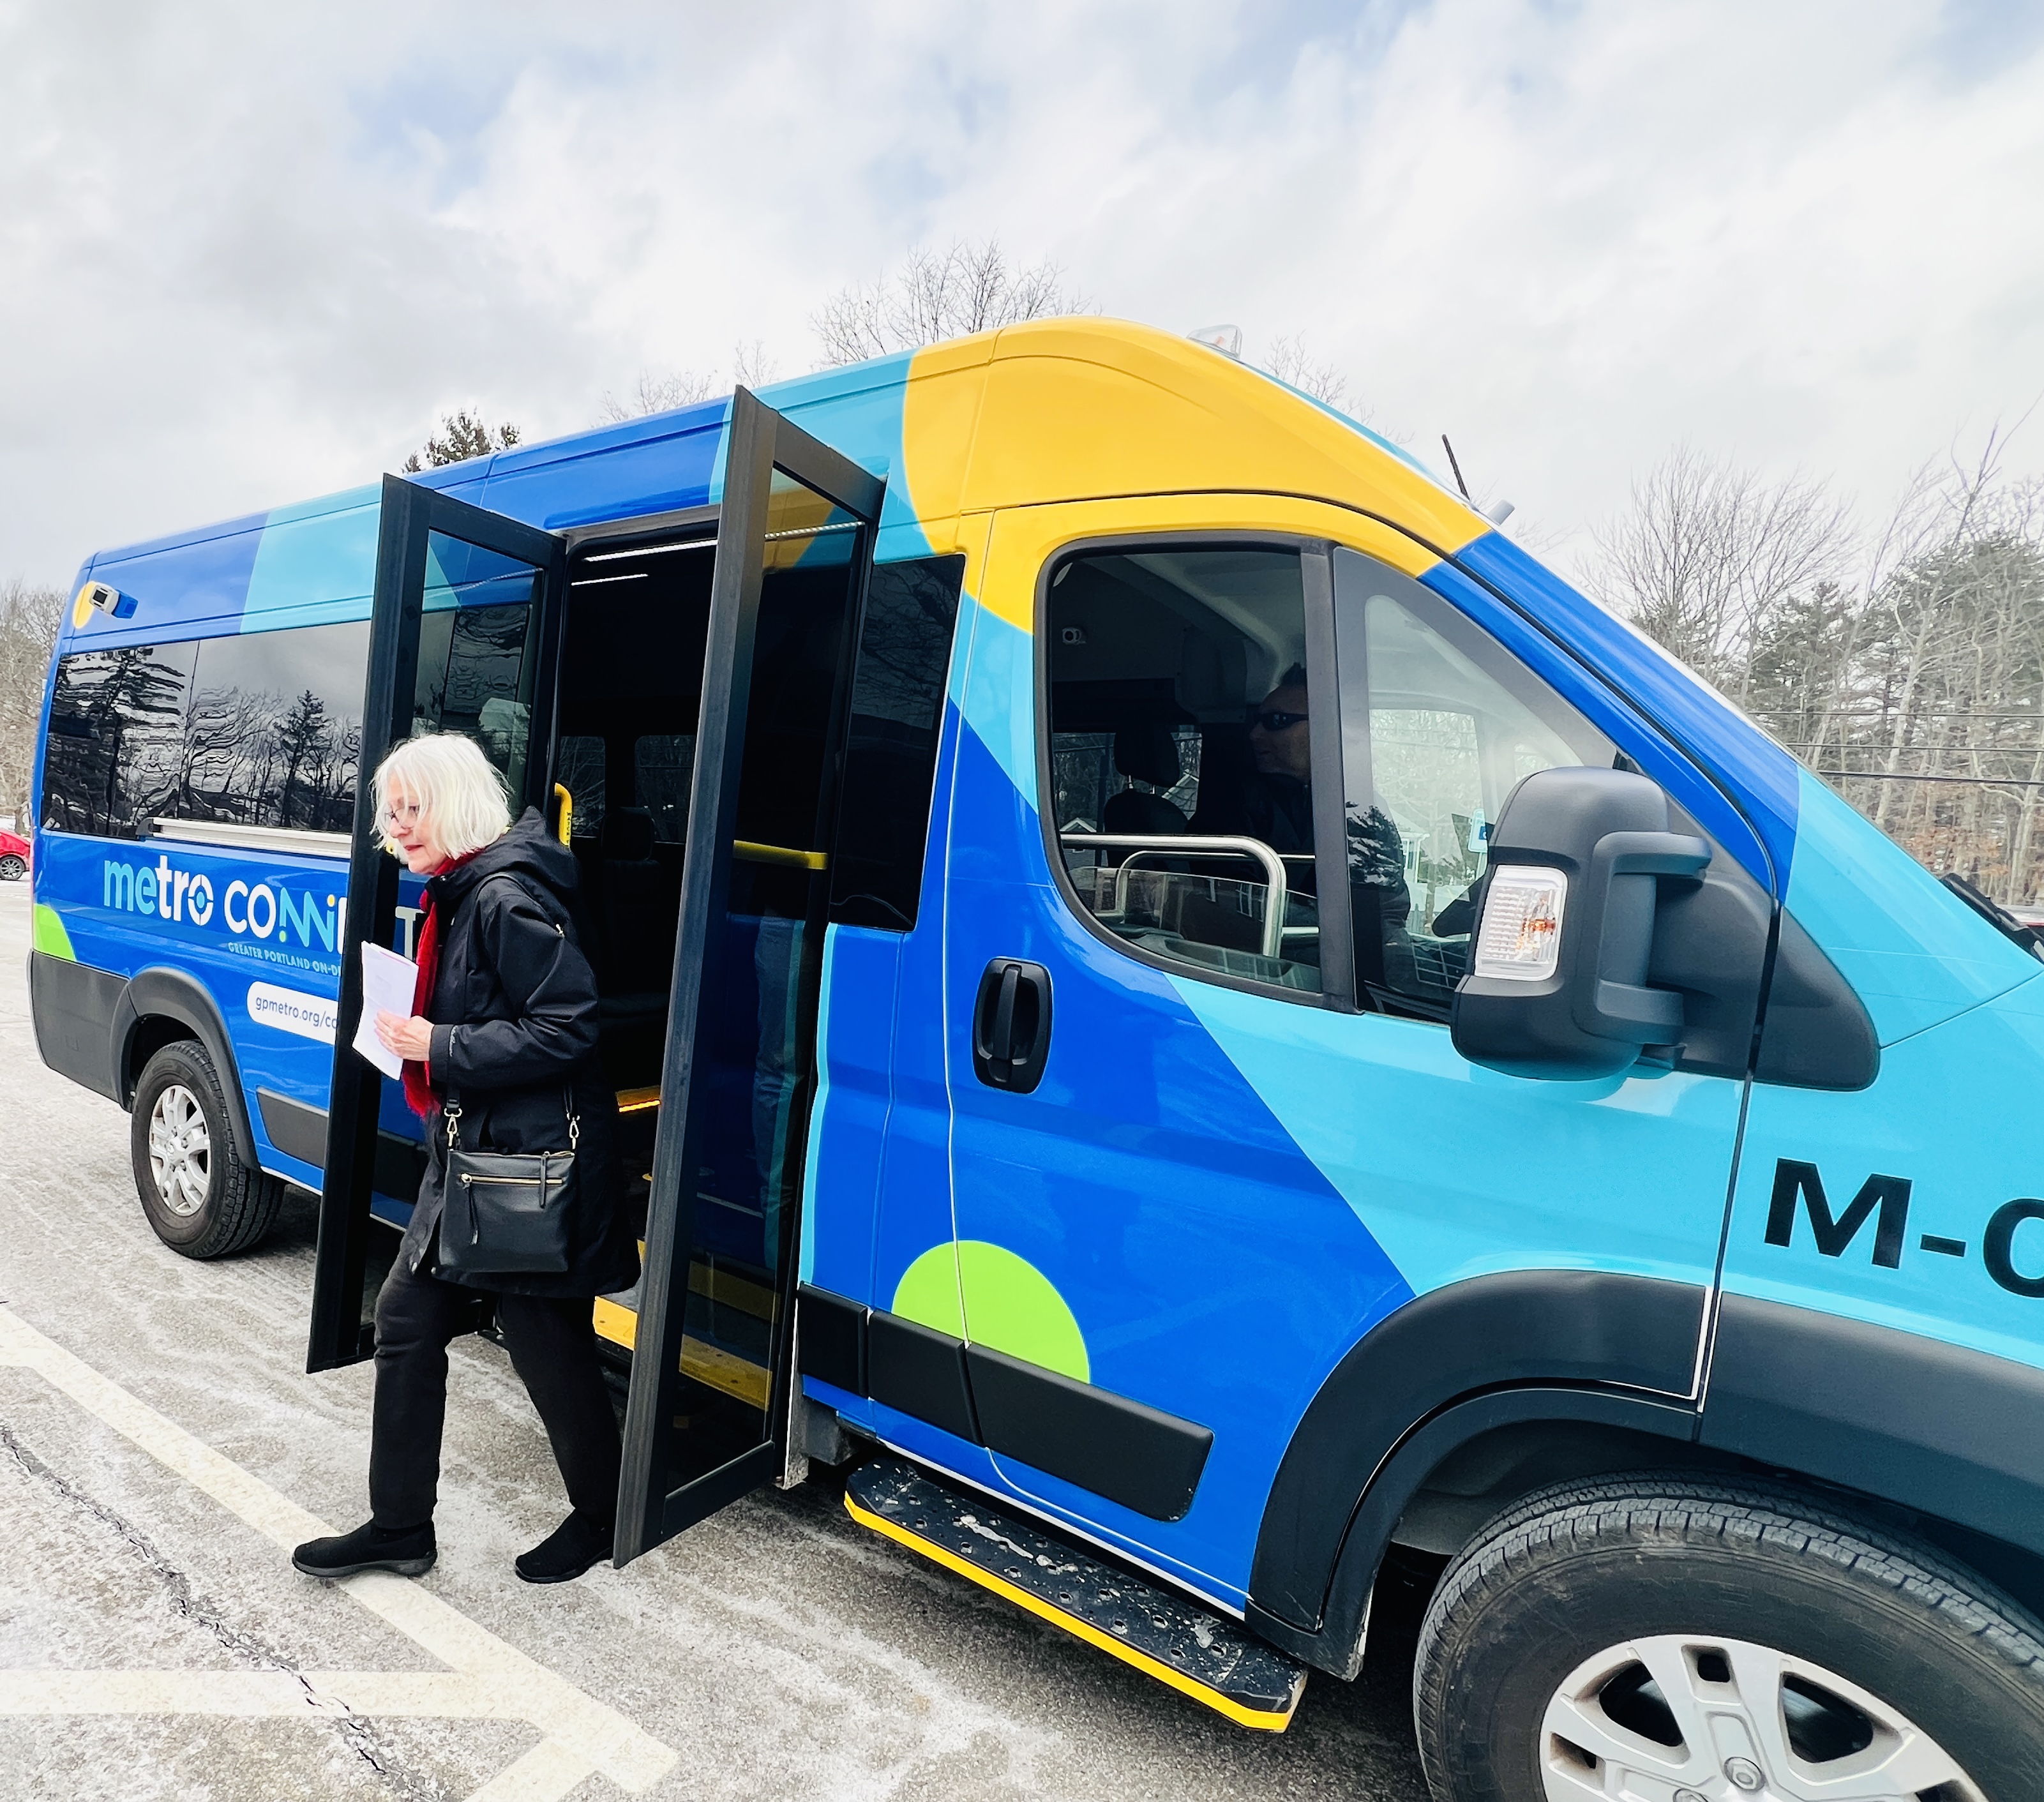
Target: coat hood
[[526, 850]]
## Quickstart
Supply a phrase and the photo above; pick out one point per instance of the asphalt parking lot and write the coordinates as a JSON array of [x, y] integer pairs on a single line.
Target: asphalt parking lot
[[161, 1448]]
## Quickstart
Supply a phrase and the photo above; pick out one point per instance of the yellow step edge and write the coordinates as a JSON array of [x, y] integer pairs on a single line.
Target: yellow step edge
[[1262, 1720]]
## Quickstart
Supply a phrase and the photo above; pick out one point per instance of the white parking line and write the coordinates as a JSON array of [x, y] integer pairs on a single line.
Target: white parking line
[[487, 1679]]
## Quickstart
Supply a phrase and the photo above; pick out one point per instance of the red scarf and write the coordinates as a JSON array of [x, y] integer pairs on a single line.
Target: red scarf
[[419, 1095]]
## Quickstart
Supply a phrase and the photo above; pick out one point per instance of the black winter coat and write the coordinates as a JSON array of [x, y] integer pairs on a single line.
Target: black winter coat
[[514, 1017]]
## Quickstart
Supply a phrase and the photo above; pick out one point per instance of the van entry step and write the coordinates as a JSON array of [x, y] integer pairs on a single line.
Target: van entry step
[[1211, 1658]]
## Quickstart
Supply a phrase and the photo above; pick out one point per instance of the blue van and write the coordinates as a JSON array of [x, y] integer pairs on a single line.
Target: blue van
[[1191, 1016]]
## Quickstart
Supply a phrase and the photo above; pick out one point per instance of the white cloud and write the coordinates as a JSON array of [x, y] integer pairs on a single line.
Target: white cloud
[[248, 254]]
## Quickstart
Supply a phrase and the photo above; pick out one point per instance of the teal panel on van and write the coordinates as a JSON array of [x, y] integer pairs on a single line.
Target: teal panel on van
[[999, 701], [1458, 1171], [1953, 1115], [316, 563], [1915, 953]]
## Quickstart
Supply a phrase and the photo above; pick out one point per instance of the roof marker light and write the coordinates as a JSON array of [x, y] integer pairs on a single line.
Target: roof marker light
[[1226, 338], [1521, 938], [98, 597]]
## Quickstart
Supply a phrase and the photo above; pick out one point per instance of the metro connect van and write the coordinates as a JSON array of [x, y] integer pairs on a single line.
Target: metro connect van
[[1184, 1010]]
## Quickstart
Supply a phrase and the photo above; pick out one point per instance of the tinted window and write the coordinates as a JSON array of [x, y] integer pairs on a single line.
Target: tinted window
[[473, 678], [897, 700], [116, 749], [1180, 763], [1439, 726], [274, 729]]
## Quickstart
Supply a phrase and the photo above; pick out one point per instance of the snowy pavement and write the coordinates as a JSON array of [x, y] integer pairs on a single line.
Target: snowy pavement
[[161, 1447]]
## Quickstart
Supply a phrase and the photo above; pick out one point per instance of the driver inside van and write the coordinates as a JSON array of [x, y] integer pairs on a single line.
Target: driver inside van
[[1277, 807]]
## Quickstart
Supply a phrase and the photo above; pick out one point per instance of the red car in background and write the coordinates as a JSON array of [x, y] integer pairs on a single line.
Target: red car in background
[[13, 857]]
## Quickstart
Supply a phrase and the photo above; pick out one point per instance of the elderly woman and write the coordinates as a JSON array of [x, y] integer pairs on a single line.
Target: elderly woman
[[502, 1048]]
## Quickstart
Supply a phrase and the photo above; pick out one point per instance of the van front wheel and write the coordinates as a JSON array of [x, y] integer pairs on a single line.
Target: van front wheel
[[1644, 1636], [201, 1200]]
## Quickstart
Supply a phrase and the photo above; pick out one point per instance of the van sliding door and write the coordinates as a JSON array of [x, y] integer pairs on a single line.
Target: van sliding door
[[713, 1370], [440, 557]]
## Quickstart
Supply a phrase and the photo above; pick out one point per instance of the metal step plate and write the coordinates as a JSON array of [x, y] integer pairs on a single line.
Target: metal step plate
[[1165, 1636]]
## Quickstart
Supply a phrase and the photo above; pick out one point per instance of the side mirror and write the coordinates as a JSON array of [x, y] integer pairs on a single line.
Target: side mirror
[[1556, 983]]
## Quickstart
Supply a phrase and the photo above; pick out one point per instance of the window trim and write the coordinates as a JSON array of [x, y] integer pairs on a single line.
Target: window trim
[[1328, 865]]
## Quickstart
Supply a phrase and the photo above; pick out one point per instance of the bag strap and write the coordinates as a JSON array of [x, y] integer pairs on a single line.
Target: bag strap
[[549, 909]]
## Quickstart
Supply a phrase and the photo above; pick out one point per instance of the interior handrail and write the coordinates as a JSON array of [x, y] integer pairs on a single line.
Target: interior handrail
[[1198, 844]]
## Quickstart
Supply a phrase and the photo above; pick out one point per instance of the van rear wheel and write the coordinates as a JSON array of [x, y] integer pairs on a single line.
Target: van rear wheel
[[200, 1198], [1657, 1637]]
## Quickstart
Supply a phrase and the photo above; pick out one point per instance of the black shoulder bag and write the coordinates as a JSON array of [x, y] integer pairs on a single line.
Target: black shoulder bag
[[505, 1213]]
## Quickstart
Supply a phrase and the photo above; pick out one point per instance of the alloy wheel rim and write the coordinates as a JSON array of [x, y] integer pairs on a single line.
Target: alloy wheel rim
[[180, 1151], [1697, 1717]]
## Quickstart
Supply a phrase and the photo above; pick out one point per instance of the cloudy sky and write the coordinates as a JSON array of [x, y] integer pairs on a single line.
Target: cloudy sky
[[248, 253]]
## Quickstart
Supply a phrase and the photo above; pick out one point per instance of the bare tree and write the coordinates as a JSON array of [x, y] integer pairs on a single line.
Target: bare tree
[[752, 366], [660, 394], [463, 435], [934, 295], [30, 616], [1906, 669], [1293, 364], [1709, 554]]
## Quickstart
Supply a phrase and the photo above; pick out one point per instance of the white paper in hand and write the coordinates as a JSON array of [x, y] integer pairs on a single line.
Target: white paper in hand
[[388, 983]]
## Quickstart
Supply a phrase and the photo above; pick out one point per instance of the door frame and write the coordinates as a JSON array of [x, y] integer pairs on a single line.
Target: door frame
[[758, 441], [411, 514]]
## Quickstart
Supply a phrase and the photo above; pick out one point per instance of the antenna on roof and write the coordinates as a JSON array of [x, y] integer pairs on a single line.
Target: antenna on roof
[[1457, 468]]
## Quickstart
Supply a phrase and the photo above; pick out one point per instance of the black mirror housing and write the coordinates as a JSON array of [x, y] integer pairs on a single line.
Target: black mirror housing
[[1563, 993]]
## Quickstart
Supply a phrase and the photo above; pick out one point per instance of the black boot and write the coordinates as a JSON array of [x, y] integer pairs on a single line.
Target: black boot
[[407, 1550], [579, 1542]]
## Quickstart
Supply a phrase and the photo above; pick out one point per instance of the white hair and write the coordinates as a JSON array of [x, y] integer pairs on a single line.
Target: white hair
[[453, 784]]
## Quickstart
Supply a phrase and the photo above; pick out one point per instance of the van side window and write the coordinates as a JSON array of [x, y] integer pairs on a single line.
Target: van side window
[[115, 746], [273, 730], [1439, 726], [890, 755], [1181, 776]]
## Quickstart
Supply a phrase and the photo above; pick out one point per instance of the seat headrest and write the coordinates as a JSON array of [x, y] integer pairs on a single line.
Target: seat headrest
[[1148, 752], [627, 835]]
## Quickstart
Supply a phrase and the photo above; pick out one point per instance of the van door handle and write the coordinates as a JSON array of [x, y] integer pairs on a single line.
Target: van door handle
[[1011, 1025]]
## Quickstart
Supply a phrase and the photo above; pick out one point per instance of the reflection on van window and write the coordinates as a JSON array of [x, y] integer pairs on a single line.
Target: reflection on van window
[[275, 729], [1181, 783], [473, 678], [1439, 726], [115, 748]]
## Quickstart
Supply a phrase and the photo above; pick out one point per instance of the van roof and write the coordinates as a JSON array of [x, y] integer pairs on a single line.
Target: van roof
[[1054, 409]]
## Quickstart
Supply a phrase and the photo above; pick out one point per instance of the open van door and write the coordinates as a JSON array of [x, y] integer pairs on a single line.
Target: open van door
[[433, 554], [713, 1374]]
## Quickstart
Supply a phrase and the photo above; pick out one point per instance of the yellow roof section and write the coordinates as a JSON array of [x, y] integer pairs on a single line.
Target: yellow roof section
[[1069, 409]]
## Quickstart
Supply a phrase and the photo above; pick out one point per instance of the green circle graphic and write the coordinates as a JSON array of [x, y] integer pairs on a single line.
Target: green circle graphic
[[1010, 1305]]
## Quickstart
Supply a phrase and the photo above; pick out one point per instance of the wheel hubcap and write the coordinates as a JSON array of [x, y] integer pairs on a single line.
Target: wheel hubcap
[[1698, 1719], [180, 1151]]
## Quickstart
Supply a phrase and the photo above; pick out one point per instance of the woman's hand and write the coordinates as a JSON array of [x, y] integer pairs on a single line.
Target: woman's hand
[[412, 1038]]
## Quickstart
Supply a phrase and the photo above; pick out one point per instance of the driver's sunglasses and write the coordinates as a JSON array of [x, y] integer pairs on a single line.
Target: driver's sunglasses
[[1275, 720]]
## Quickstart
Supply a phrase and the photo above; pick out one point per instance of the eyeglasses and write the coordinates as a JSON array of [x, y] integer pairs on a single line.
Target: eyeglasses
[[1275, 720]]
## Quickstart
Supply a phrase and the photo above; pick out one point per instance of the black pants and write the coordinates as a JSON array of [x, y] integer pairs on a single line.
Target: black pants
[[553, 1349]]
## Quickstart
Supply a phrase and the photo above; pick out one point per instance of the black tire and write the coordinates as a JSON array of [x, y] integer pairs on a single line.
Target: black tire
[[1573, 1572], [217, 1205], [12, 866]]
